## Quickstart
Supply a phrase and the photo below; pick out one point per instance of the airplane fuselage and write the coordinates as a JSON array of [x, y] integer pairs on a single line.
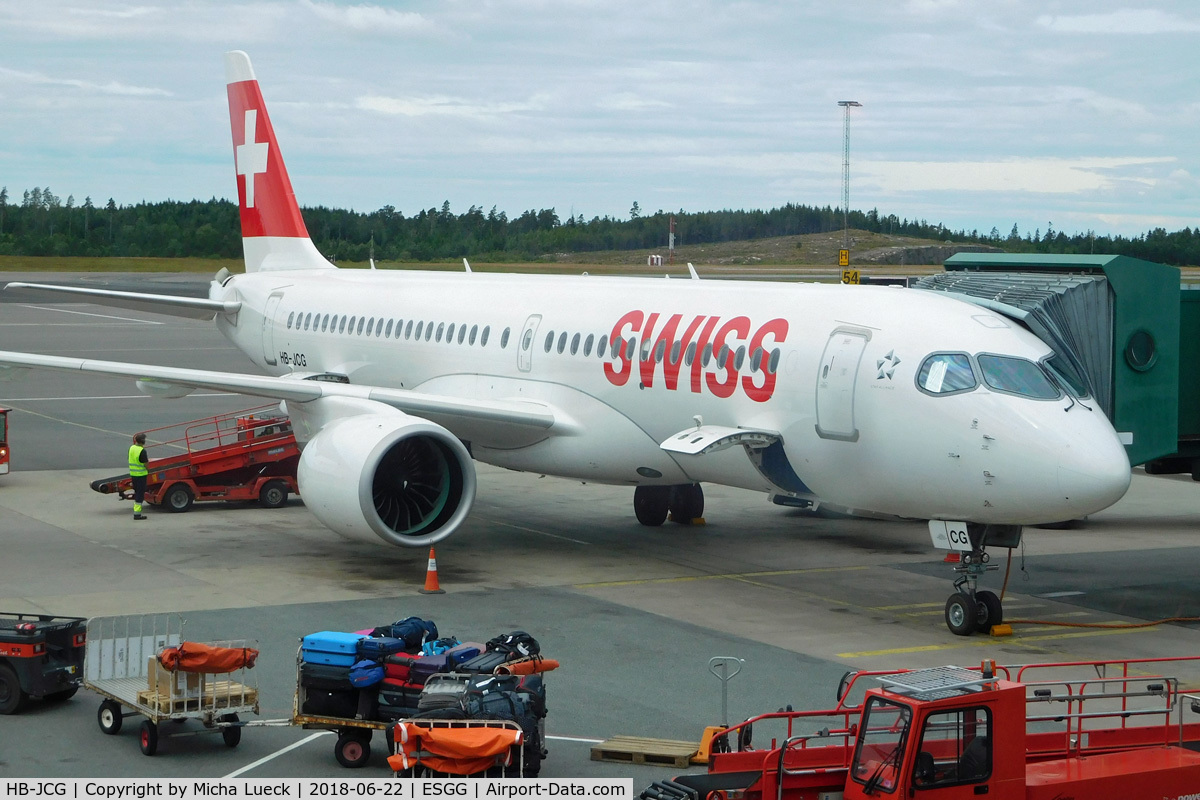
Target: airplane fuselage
[[834, 370]]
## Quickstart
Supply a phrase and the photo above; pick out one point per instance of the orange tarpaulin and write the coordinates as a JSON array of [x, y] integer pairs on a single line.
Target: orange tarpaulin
[[196, 657], [455, 751], [527, 666]]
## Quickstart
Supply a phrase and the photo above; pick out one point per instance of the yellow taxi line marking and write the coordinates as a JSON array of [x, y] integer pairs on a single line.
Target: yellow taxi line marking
[[991, 642], [740, 576]]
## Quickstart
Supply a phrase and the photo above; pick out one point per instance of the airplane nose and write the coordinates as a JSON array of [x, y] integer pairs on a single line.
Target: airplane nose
[[1094, 480]]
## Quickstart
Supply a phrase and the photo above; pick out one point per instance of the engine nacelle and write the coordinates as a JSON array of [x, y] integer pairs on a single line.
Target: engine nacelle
[[402, 479]]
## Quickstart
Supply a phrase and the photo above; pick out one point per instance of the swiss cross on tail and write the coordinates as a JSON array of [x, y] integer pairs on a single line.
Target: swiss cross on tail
[[267, 203]]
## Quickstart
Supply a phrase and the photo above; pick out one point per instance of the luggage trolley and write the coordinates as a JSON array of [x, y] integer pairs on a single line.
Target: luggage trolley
[[121, 665]]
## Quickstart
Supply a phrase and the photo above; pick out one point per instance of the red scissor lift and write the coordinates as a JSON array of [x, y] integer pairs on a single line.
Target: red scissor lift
[[244, 455]]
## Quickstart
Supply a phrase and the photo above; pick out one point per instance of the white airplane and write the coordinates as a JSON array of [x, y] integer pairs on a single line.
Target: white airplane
[[878, 399]]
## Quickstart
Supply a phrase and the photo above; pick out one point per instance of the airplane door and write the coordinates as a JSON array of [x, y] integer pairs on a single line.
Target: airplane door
[[835, 383], [268, 328], [525, 344]]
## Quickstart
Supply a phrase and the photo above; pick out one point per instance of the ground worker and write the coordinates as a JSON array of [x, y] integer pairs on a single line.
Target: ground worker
[[138, 472]]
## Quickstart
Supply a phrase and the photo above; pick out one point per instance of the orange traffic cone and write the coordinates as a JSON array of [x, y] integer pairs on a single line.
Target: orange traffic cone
[[431, 577]]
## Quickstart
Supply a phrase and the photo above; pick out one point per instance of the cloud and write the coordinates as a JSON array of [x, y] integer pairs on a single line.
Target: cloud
[[445, 106], [1033, 175], [1124, 22], [370, 19], [112, 87]]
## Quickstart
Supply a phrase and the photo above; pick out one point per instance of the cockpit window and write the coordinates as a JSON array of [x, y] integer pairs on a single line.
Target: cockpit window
[[1017, 375], [944, 373], [1067, 375]]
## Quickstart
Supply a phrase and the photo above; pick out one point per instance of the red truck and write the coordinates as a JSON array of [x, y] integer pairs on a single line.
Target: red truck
[[1099, 729], [244, 455], [41, 656]]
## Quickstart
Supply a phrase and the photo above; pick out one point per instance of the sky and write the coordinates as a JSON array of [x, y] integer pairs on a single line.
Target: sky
[[976, 114]]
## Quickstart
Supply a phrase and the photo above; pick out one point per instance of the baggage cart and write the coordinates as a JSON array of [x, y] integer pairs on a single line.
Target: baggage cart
[[121, 665], [41, 656], [248, 455]]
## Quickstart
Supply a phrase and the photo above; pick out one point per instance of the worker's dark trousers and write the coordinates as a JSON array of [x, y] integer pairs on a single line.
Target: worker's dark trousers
[[139, 493]]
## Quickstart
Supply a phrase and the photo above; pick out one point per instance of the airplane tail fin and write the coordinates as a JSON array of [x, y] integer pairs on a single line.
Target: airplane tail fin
[[273, 233]]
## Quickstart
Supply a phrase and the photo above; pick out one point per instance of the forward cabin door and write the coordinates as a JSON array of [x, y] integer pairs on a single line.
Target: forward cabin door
[[835, 383], [268, 328], [525, 343]]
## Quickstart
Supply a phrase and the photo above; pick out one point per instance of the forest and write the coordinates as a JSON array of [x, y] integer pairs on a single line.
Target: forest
[[43, 224]]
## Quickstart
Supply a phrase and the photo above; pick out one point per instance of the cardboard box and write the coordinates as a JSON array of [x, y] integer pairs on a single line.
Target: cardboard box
[[173, 684]]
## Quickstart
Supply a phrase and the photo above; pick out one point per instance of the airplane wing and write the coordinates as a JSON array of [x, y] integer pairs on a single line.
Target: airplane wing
[[190, 307], [509, 413]]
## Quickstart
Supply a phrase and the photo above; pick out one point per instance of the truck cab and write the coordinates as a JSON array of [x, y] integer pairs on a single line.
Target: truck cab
[[933, 734]]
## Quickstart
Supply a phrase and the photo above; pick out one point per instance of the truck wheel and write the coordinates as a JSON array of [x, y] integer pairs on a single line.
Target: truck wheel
[[352, 749], [149, 738], [11, 696], [110, 716], [231, 735], [274, 494], [961, 613], [178, 498]]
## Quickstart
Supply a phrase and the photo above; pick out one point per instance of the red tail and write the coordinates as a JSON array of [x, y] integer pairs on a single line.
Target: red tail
[[273, 232]]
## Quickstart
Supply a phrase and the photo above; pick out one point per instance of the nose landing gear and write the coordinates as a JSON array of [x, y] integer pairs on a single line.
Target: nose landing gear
[[971, 609]]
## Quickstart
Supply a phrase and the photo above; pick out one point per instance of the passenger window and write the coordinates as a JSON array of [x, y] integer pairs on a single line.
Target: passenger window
[[675, 348], [773, 364], [387, 334], [602, 345], [690, 355], [361, 321], [450, 333], [370, 326], [342, 324], [575, 344], [618, 344], [549, 341], [707, 357], [955, 749], [562, 342], [1018, 376], [420, 327], [645, 352], [660, 351], [428, 331], [487, 329], [408, 329], [723, 356], [291, 317], [527, 340], [740, 358], [944, 373], [324, 323], [503, 336], [756, 359], [587, 344], [462, 333], [307, 320], [441, 327], [630, 348]]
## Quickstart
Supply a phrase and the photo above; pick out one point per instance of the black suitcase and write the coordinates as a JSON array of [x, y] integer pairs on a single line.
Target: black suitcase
[[484, 663], [327, 677], [397, 696], [341, 704]]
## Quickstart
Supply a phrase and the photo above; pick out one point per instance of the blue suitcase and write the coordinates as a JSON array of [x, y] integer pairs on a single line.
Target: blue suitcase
[[463, 653], [379, 647], [330, 647]]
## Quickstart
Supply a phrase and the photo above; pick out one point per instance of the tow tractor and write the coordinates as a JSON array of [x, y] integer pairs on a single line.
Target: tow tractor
[[243, 455], [41, 656], [1094, 729], [4, 448]]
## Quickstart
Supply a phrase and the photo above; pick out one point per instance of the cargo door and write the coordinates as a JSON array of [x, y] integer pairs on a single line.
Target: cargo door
[[268, 328], [525, 344], [836, 378]]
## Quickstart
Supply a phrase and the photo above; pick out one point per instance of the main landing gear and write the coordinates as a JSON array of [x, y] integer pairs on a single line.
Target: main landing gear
[[970, 608], [684, 503]]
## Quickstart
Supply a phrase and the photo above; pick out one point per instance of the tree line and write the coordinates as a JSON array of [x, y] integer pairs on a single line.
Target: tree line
[[43, 224]]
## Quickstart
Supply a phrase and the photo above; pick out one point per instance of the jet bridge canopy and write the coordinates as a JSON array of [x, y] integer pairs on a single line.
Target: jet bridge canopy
[[1115, 319]]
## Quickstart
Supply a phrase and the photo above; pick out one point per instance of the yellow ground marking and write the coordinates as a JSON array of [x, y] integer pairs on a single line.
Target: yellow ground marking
[[735, 576], [988, 642]]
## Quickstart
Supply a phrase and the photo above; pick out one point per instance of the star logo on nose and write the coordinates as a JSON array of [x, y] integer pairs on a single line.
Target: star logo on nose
[[887, 365]]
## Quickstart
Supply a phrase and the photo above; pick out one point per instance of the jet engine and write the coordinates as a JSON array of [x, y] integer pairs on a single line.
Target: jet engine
[[402, 479]]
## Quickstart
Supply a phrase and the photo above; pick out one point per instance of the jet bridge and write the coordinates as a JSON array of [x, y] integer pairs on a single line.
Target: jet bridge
[[1115, 322]]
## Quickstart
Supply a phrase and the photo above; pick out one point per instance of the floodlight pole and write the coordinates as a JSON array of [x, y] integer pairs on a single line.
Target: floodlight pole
[[847, 105]]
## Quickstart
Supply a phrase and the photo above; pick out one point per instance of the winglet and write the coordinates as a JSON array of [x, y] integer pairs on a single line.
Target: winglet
[[273, 233], [466, 265], [692, 272]]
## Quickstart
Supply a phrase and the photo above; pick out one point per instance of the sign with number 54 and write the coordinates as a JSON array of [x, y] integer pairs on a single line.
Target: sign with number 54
[[950, 535]]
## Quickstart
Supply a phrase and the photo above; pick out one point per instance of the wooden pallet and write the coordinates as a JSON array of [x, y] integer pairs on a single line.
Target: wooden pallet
[[640, 750], [217, 694]]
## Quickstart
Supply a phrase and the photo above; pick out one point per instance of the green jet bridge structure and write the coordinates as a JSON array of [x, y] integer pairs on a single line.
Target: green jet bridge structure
[[1126, 326]]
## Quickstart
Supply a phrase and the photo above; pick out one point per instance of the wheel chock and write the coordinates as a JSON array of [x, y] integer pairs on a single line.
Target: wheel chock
[[1001, 630], [692, 521]]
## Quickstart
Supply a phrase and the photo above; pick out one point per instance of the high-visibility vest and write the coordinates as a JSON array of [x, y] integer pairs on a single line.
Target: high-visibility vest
[[136, 467]]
